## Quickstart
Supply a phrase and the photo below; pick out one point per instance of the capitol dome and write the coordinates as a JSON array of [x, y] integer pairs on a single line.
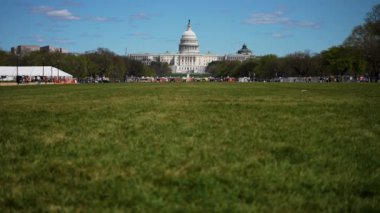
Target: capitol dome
[[244, 50], [189, 41]]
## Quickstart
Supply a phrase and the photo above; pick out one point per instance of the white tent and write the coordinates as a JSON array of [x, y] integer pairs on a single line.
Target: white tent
[[49, 71]]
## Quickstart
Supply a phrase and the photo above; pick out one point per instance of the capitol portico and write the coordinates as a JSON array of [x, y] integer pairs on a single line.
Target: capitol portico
[[189, 59]]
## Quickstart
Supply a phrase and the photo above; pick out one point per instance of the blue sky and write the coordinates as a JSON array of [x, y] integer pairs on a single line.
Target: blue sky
[[141, 26]]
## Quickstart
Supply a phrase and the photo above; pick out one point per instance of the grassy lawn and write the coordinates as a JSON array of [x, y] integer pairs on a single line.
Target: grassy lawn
[[190, 147]]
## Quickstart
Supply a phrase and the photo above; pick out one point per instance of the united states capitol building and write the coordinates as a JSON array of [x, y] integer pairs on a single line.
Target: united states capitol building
[[189, 59]]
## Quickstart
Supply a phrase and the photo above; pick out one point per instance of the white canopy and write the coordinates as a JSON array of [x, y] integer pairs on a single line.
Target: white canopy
[[33, 71]]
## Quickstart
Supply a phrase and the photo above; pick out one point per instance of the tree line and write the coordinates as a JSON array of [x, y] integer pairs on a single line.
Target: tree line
[[358, 55], [336, 61], [100, 62]]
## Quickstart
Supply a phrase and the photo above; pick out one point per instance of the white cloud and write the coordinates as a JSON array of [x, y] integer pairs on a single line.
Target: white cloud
[[307, 24], [278, 17], [103, 19], [38, 39], [42, 9], [142, 35], [71, 3], [268, 18], [63, 14], [89, 35], [140, 16], [280, 35], [99, 18], [59, 40]]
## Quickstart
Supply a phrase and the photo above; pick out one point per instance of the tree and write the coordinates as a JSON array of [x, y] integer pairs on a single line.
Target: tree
[[118, 69], [223, 68], [136, 68], [373, 20], [342, 60], [366, 39], [267, 67], [315, 65], [160, 69], [4, 58], [246, 69], [298, 64]]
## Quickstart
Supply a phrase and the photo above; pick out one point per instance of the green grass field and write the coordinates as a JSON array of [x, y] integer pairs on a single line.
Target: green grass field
[[197, 147]]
